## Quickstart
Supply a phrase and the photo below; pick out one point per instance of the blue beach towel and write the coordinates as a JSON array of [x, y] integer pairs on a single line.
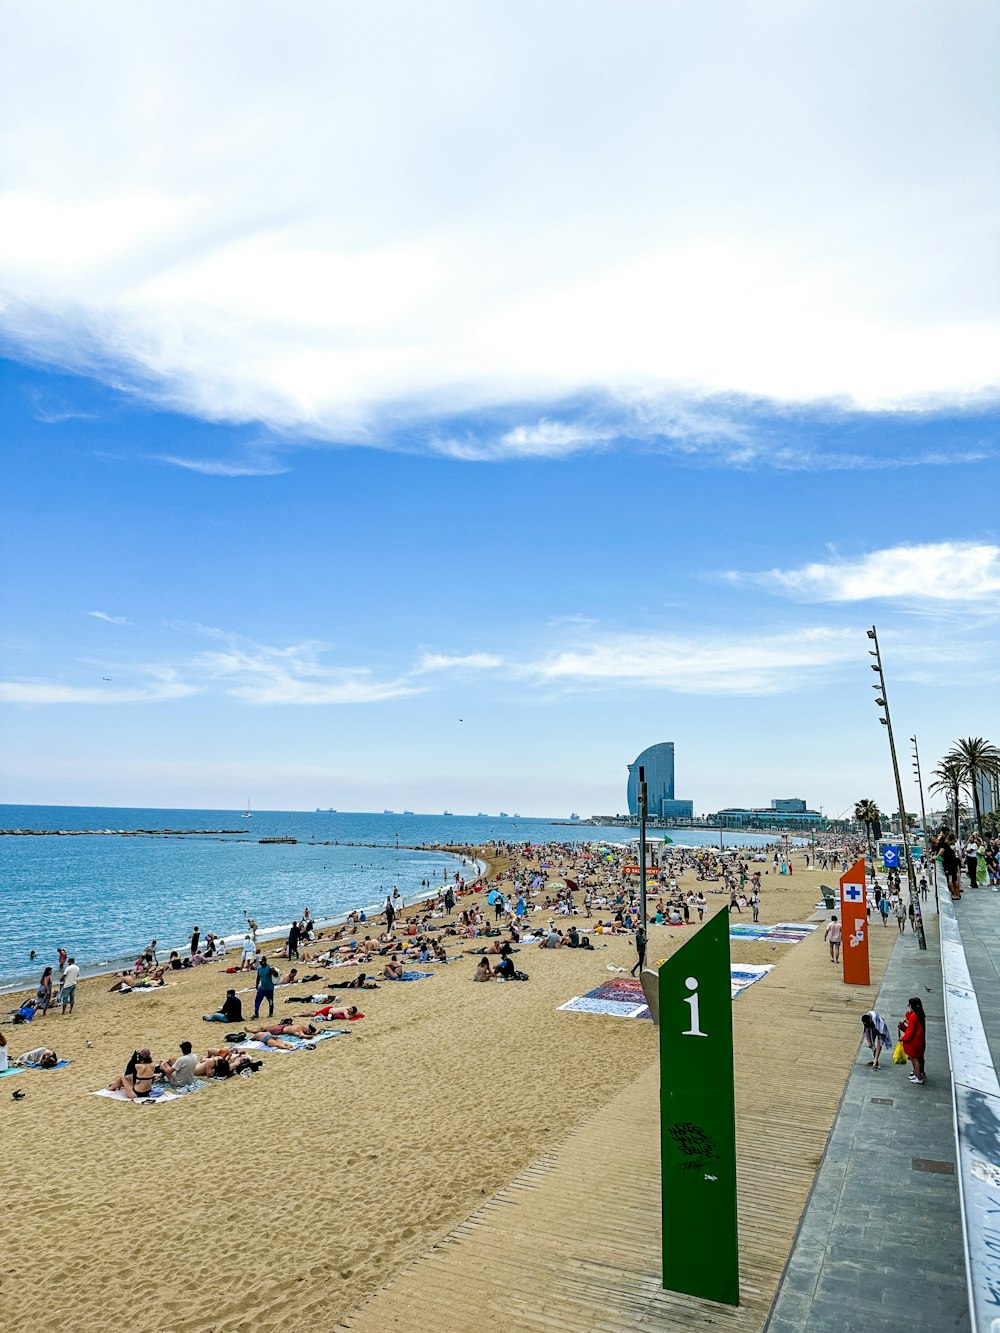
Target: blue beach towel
[[14, 1069], [415, 976]]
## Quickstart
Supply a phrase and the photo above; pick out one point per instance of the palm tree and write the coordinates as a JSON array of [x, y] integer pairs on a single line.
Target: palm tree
[[976, 757], [948, 777], [867, 812]]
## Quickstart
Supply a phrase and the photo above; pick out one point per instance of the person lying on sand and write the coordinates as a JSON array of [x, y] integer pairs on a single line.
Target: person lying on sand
[[289, 1027], [41, 1057], [271, 1039], [360, 982], [336, 1011], [224, 1062], [290, 977]]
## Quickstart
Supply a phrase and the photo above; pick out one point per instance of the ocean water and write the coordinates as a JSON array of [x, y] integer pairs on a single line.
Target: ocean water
[[103, 896]]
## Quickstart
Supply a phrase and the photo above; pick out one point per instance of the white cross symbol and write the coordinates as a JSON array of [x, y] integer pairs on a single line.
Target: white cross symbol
[[852, 893]]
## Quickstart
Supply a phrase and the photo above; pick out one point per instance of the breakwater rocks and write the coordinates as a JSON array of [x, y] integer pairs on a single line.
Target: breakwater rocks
[[114, 832]]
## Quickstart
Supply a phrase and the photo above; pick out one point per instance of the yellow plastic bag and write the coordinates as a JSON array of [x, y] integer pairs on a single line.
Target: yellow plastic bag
[[899, 1055]]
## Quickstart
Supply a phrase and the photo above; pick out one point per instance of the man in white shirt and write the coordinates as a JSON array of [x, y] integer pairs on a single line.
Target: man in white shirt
[[69, 979], [179, 1073]]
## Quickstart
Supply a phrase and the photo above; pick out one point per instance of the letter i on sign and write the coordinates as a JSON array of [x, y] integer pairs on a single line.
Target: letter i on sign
[[692, 1002]]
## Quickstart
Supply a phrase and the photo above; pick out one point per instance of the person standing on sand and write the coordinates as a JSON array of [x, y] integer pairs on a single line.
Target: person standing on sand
[[249, 949], [390, 912], [195, 940], [68, 991], [292, 949], [640, 948], [755, 904], [832, 936], [397, 900], [266, 977]]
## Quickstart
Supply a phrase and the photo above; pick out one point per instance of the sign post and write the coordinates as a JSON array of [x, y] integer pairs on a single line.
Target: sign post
[[854, 926], [698, 1118]]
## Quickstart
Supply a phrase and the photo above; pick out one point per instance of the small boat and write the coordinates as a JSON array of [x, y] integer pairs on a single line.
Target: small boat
[[277, 839], [575, 818], [482, 815], [248, 813], [388, 812], [504, 814], [448, 814], [407, 812]]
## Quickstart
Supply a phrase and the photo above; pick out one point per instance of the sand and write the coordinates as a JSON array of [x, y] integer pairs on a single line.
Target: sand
[[283, 1201]]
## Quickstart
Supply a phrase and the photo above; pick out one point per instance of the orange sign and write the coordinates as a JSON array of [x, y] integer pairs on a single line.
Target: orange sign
[[854, 923]]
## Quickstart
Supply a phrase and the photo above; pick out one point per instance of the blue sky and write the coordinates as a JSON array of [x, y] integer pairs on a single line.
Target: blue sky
[[442, 441]]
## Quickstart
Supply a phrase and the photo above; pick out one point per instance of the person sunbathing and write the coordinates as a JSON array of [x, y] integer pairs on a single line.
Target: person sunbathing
[[290, 978], [215, 1065], [360, 982], [288, 1027], [271, 1039], [137, 1080], [336, 1011], [393, 970]]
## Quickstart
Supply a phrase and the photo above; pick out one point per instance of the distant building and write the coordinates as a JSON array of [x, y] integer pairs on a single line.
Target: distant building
[[658, 761], [778, 815], [789, 804]]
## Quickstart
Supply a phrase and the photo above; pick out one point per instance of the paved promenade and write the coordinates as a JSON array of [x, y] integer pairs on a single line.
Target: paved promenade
[[573, 1244], [879, 1249]]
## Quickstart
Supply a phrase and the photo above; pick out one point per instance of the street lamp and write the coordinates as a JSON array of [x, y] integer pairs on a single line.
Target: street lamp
[[882, 702], [923, 817], [642, 801]]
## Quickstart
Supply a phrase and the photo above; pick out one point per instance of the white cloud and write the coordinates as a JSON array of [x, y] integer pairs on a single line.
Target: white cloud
[[949, 571], [705, 664], [112, 620], [655, 199], [470, 662], [260, 674], [52, 692], [210, 467]]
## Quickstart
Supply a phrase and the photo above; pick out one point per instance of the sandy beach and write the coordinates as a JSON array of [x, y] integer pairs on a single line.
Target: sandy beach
[[284, 1200]]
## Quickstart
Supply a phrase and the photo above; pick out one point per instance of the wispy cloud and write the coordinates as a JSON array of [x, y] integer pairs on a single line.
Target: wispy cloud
[[258, 674], [112, 620], [222, 467], [53, 692], [468, 662], [706, 664], [949, 571]]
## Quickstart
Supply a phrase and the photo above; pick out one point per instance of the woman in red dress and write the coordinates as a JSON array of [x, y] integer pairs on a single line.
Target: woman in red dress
[[912, 1033]]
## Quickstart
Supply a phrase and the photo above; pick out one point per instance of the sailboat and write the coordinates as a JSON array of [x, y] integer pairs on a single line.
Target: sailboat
[[248, 813]]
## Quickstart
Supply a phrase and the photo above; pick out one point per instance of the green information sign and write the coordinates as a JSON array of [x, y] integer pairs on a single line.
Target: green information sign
[[698, 1118]]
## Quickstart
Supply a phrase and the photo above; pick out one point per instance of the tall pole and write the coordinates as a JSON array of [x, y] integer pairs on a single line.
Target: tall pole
[[923, 819], [643, 799], [883, 702]]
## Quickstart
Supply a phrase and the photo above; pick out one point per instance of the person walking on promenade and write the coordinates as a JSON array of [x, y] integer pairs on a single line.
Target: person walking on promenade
[[832, 935], [266, 977], [913, 1035], [883, 907], [944, 845], [900, 911], [640, 948]]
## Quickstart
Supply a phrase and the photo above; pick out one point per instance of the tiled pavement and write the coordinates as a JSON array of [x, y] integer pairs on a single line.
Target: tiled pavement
[[879, 1248], [979, 921]]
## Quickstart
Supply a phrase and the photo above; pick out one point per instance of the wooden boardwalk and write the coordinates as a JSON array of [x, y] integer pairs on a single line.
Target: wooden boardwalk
[[572, 1245]]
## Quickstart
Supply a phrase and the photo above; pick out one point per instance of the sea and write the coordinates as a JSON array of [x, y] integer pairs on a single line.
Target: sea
[[104, 896]]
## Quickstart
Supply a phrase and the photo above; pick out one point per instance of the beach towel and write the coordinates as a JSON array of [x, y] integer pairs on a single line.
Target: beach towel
[[583, 1004], [159, 1094], [298, 1043], [741, 976], [413, 976], [14, 1069]]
